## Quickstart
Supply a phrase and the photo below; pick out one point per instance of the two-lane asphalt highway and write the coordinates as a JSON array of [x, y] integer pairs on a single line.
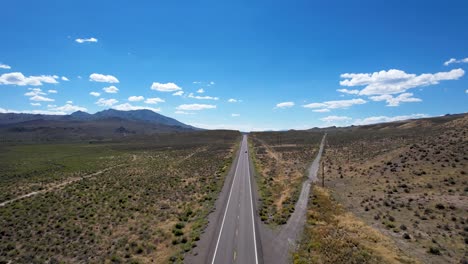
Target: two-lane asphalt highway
[[237, 238]]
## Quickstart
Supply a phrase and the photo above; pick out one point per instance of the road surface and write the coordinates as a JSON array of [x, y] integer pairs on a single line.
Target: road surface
[[237, 236]]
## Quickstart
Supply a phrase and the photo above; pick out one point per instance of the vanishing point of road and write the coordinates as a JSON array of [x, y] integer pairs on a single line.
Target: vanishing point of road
[[237, 238]]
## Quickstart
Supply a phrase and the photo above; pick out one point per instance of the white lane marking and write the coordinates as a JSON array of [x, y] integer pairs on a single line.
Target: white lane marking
[[227, 205], [251, 204]]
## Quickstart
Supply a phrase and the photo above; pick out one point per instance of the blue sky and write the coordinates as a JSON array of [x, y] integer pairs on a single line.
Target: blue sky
[[285, 64]]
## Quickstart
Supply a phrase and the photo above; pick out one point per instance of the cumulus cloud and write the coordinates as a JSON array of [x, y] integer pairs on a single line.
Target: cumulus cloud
[[191, 95], [17, 78], [136, 98], [346, 91], [232, 100], [36, 104], [52, 91], [64, 78], [83, 40], [95, 94], [395, 81], [195, 107], [179, 93], [128, 107], [178, 112], [97, 77], [69, 107], [200, 90], [40, 98], [110, 89], [235, 115], [154, 100], [106, 102], [453, 60], [384, 119], [395, 101], [331, 119], [322, 110], [336, 104], [165, 87], [34, 91], [4, 66], [284, 105]]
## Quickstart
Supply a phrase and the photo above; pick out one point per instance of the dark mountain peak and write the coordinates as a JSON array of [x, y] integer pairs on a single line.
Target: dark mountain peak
[[144, 115], [80, 113]]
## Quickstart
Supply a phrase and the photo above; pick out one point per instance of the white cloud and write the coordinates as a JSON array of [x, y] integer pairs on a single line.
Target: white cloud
[[235, 115], [110, 89], [284, 105], [453, 60], [64, 78], [128, 107], [322, 110], [34, 91], [179, 93], [69, 107], [136, 98], [200, 90], [83, 40], [95, 94], [197, 82], [232, 100], [195, 107], [395, 101], [466, 91], [49, 106], [36, 104], [331, 119], [154, 100], [165, 87], [336, 104], [212, 83], [52, 91], [106, 102], [346, 91], [395, 81], [17, 78], [4, 66], [97, 77], [383, 119], [191, 95], [183, 113], [39, 98]]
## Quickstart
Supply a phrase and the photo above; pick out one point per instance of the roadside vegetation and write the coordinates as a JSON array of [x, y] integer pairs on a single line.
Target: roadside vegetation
[[408, 180], [332, 235], [150, 209], [281, 161]]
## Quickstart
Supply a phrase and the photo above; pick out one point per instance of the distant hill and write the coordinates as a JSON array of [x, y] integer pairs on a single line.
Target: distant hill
[[133, 115], [439, 121], [107, 124]]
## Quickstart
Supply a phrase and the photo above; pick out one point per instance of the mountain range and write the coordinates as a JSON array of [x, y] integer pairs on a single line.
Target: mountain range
[[81, 125]]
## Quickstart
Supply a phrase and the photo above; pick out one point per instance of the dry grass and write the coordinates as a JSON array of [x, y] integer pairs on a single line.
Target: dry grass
[[409, 182], [281, 161], [332, 235], [151, 209]]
